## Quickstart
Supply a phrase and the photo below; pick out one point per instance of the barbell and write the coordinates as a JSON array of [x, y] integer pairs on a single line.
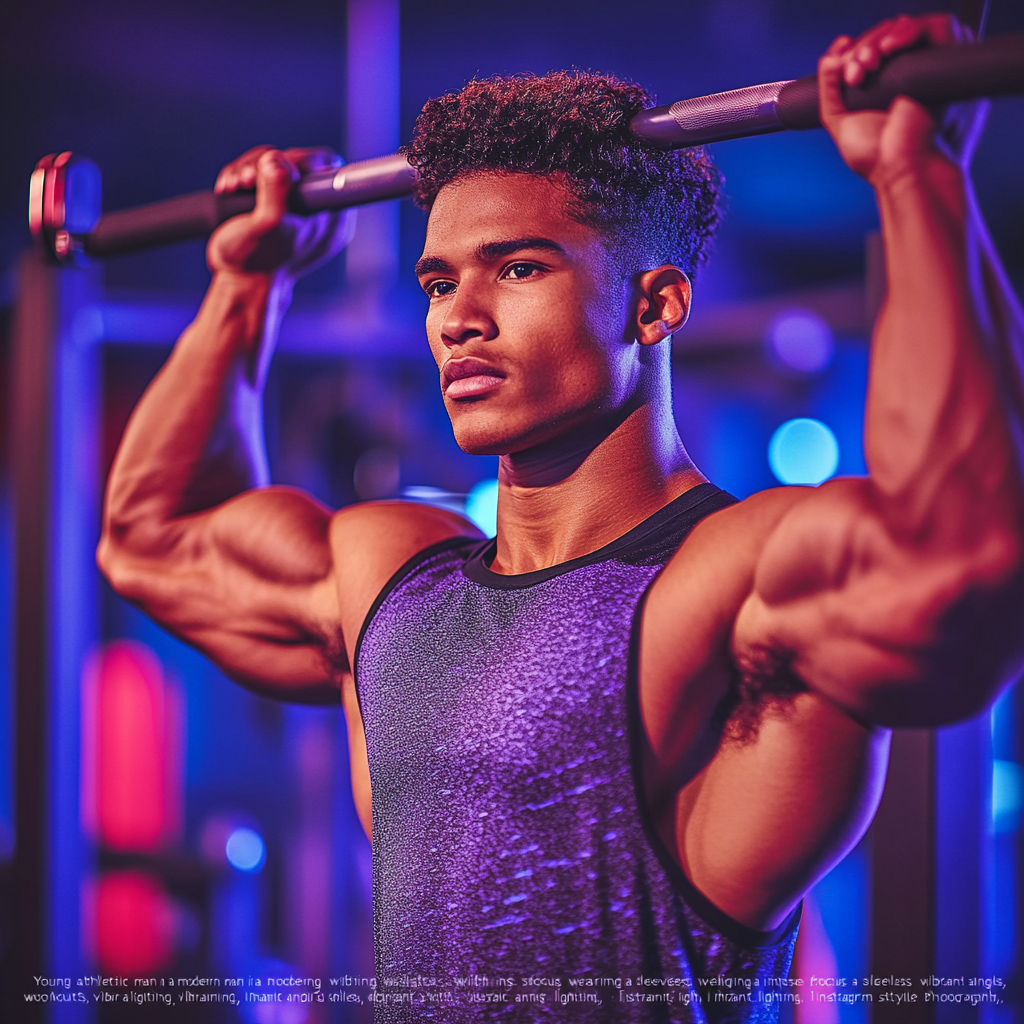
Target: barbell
[[65, 192]]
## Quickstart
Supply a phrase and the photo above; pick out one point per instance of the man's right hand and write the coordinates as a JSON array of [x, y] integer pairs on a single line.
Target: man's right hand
[[270, 240]]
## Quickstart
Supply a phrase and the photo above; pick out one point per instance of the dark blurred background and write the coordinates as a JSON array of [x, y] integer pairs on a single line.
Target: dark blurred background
[[160, 96]]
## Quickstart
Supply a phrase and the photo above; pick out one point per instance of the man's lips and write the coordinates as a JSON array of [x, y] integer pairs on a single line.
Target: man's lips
[[469, 376]]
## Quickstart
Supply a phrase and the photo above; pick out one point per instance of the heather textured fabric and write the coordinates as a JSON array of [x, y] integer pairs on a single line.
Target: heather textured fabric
[[512, 856]]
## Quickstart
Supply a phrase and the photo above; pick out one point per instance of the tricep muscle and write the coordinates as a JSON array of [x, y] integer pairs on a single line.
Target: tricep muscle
[[882, 621], [250, 583]]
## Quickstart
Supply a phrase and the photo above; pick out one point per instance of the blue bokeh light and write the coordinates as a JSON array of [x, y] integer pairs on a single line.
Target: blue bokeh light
[[803, 451], [800, 340], [245, 850], [482, 506]]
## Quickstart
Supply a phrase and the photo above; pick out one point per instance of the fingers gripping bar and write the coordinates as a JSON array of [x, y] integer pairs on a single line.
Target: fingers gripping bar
[[64, 208]]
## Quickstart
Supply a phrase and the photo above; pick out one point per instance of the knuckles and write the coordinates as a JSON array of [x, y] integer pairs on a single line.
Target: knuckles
[[894, 34], [269, 239], [242, 171]]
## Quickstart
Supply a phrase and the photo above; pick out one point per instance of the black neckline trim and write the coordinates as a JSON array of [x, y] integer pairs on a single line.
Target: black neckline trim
[[477, 567]]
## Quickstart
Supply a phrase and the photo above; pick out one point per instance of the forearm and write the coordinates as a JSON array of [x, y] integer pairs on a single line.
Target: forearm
[[196, 439], [938, 430]]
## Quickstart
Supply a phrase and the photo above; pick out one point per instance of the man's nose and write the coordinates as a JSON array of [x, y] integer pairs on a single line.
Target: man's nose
[[467, 318]]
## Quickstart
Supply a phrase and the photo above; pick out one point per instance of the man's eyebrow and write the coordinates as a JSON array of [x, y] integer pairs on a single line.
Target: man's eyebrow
[[488, 251], [496, 250], [432, 265]]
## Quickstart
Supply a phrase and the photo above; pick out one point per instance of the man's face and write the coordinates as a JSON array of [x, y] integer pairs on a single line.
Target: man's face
[[529, 314]]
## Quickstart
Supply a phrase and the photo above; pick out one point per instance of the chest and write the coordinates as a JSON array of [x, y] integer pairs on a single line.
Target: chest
[[451, 670]]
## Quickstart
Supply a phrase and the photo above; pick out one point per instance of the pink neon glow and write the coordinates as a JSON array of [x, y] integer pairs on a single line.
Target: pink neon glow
[[134, 924], [132, 774]]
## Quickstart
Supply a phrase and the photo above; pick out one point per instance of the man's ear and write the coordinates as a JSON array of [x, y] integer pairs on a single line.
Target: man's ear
[[664, 304]]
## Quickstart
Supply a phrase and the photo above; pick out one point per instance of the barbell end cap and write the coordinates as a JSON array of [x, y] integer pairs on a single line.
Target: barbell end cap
[[65, 201]]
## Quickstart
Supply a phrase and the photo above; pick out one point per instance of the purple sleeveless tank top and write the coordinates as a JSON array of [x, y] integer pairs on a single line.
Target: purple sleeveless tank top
[[516, 874]]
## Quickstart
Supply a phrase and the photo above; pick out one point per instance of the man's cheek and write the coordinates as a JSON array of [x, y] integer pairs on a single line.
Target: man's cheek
[[434, 343]]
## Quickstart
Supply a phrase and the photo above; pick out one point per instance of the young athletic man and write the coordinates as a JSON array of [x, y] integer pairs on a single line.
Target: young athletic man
[[598, 752]]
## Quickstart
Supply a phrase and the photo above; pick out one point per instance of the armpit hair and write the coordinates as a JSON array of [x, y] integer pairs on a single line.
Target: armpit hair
[[765, 685], [335, 657]]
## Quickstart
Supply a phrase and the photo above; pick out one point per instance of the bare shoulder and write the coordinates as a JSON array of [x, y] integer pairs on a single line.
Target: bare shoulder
[[685, 661], [715, 565], [688, 638], [370, 542]]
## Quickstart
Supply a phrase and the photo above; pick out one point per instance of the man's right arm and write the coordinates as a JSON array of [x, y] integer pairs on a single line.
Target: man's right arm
[[270, 585], [245, 574], [264, 580]]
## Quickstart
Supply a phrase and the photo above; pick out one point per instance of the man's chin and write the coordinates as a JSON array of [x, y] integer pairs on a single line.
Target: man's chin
[[489, 439], [479, 444], [511, 427], [495, 434]]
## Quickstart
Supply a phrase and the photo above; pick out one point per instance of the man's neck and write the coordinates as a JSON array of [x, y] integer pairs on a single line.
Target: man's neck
[[566, 499]]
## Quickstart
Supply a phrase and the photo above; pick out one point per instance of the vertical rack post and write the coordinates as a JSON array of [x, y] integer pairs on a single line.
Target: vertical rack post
[[372, 128], [53, 440], [903, 880]]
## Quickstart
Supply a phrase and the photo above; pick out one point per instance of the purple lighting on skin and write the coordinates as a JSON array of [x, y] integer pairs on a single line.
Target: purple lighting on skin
[[801, 341]]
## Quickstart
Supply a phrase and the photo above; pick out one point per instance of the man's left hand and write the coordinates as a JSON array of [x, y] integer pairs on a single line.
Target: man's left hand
[[886, 145]]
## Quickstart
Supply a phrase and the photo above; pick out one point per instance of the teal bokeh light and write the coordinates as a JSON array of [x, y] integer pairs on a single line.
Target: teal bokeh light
[[1007, 796], [482, 506], [803, 451]]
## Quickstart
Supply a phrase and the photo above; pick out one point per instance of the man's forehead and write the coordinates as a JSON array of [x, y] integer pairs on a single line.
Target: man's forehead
[[490, 214]]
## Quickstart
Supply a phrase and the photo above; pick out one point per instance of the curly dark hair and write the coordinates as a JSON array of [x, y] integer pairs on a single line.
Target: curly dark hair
[[574, 126]]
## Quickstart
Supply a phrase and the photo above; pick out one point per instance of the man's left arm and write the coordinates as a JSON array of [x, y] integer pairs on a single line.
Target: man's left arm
[[899, 597], [895, 599]]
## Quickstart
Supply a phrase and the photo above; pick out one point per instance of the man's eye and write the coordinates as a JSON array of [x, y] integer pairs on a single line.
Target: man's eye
[[519, 271], [437, 289]]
